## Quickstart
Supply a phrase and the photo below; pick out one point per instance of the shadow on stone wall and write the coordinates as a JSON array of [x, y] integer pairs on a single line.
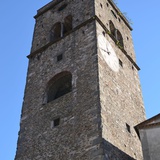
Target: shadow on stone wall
[[113, 153]]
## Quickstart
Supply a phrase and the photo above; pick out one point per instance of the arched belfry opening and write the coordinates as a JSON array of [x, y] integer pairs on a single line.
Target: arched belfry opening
[[59, 29], [116, 33], [112, 28], [56, 31], [59, 85], [119, 38], [67, 24]]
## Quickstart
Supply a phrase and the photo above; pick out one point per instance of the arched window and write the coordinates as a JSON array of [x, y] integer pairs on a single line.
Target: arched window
[[112, 28], [67, 24], [60, 29], [59, 85], [56, 31], [116, 33], [119, 38]]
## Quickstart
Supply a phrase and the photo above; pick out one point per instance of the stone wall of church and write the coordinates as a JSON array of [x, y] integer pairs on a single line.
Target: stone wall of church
[[106, 11], [121, 105], [89, 122], [57, 11], [78, 134]]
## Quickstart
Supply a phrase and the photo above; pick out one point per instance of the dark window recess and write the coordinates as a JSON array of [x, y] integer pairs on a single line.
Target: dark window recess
[[120, 63], [128, 128], [59, 57], [38, 57], [56, 31], [113, 14], [112, 28], [56, 122], [62, 7], [67, 26], [59, 29], [101, 5], [59, 85], [119, 38], [116, 33]]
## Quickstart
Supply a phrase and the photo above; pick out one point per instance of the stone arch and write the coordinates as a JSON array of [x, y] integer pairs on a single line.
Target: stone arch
[[112, 28], [56, 31], [67, 26], [119, 38], [59, 85]]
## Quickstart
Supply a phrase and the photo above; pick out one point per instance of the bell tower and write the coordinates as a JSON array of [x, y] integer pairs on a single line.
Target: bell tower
[[82, 96]]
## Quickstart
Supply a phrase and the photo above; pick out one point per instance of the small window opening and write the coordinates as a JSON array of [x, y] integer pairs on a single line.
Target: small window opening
[[113, 14], [127, 38], [62, 7], [101, 5], [38, 57], [119, 19], [107, 4], [104, 33], [132, 67], [128, 128], [59, 57], [56, 122], [120, 63]]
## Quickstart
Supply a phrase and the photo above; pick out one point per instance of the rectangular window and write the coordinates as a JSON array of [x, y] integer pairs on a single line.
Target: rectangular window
[[59, 57], [55, 122]]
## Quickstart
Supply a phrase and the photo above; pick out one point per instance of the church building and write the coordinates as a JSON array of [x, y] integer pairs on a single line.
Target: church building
[[82, 97]]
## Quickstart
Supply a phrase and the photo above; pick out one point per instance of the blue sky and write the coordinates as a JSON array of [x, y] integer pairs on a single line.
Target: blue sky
[[16, 29]]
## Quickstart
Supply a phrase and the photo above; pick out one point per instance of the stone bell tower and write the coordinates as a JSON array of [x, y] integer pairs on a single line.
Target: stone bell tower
[[82, 97]]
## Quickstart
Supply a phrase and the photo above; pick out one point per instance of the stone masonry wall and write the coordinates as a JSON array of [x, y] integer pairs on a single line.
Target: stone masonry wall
[[93, 116], [78, 135], [120, 92], [80, 11], [121, 106], [103, 10]]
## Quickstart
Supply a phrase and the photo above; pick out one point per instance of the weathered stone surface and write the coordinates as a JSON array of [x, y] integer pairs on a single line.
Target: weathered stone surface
[[94, 114]]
